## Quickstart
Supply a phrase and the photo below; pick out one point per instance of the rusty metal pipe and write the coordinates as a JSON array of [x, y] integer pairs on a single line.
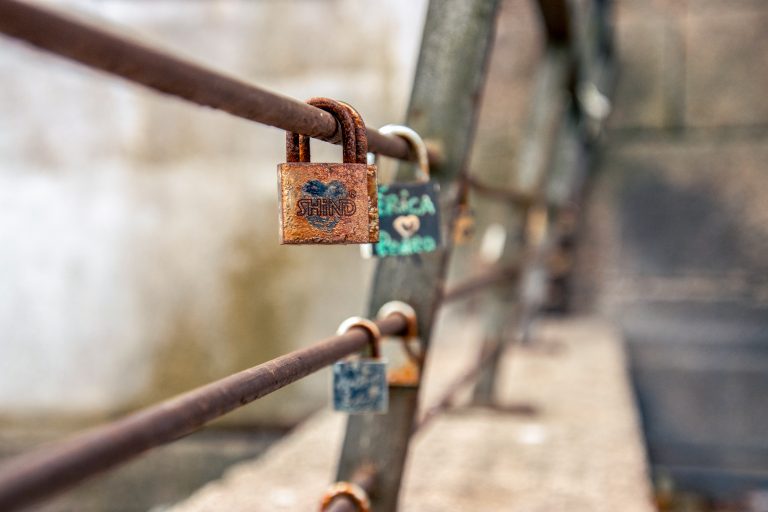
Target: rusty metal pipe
[[51, 469], [494, 277], [172, 75], [515, 197]]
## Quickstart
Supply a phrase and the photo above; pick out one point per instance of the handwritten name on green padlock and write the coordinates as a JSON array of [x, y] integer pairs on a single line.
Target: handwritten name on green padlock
[[401, 203], [415, 245]]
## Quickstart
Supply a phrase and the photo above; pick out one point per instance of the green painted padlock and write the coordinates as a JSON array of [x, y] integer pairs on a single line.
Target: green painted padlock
[[409, 215]]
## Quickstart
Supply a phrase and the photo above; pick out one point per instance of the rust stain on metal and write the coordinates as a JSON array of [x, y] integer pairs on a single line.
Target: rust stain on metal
[[407, 375], [323, 203], [337, 499], [169, 74], [43, 472], [361, 155], [373, 206], [351, 492]]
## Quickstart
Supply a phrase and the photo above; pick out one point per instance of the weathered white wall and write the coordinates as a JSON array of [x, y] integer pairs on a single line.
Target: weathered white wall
[[139, 250]]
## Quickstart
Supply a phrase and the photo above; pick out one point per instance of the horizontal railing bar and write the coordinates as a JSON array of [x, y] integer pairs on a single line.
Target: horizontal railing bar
[[50, 469], [445, 402], [172, 75], [464, 379], [481, 282], [518, 198]]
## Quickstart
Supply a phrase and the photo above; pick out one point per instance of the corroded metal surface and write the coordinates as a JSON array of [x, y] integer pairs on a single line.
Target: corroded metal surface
[[361, 155], [408, 373], [351, 492], [363, 479], [321, 203], [350, 130], [373, 203], [565, 437], [53, 468], [172, 75]]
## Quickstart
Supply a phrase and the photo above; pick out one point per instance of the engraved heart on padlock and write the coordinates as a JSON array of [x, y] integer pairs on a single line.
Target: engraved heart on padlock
[[407, 225], [323, 204]]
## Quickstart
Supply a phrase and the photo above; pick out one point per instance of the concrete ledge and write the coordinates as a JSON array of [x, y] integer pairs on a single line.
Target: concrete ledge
[[564, 437]]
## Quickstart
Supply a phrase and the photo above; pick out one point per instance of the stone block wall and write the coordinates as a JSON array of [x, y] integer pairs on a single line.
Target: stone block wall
[[675, 241]]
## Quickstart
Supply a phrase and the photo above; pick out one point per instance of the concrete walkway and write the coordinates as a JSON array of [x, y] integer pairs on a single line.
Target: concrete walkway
[[565, 437]]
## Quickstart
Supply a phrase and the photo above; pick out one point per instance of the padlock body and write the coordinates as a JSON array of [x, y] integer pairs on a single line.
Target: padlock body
[[409, 219], [360, 386], [324, 203]]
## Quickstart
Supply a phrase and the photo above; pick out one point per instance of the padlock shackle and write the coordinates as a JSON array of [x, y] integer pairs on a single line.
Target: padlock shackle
[[416, 143], [349, 489], [361, 134], [292, 153], [297, 145], [374, 332], [396, 307]]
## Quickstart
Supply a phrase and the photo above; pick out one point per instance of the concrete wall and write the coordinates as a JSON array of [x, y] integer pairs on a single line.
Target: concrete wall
[[678, 233], [139, 251]]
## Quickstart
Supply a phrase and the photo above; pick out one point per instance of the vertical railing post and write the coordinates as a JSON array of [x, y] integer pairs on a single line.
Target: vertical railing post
[[508, 313], [457, 40], [578, 53]]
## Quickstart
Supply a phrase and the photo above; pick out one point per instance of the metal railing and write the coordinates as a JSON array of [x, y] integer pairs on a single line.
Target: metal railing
[[457, 41]]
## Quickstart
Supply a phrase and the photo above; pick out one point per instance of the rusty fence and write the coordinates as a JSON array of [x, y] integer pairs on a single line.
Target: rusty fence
[[543, 188]]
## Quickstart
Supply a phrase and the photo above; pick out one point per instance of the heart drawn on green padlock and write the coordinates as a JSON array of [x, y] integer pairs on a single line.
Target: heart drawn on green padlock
[[407, 225]]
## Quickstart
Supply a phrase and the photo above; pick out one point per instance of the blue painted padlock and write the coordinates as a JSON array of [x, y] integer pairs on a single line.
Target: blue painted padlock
[[360, 386], [360, 383]]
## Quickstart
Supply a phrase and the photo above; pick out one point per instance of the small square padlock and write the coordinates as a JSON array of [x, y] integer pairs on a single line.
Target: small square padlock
[[360, 383], [328, 203]]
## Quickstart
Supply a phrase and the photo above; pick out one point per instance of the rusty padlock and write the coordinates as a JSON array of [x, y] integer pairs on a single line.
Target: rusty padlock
[[328, 203], [373, 185]]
